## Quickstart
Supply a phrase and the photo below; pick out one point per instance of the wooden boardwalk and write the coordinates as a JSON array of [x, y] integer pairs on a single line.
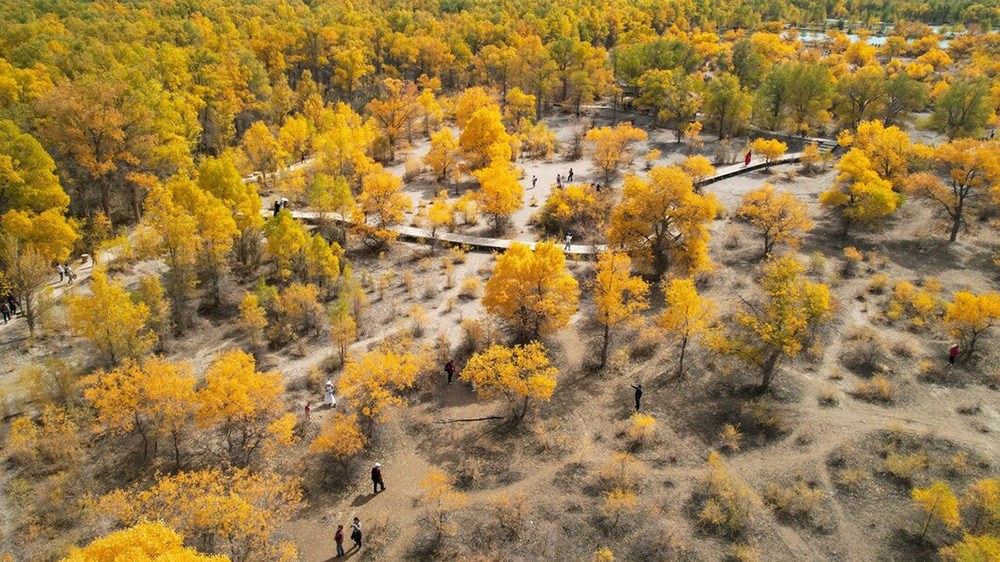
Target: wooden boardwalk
[[423, 235]]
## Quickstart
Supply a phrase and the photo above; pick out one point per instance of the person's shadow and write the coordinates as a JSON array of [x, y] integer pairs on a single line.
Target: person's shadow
[[347, 554], [362, 499]]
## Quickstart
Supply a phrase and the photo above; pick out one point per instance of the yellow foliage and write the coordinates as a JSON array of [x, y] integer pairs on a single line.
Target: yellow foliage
[[698, 167], [663, 221], [285, 240], [618, 502], [480, 136], [939, 502], [111, 321], [241, 403], [770, 149], [575, 208], [145, 542], [517, 373], [442, 158], [381, 205], [970, 316], [618, 296], [500, 191], [860, 194], [252, 320], [235, 512], [439, 496], [642, 428], [610, 148], [340, 436], [687, 314], [782, 218], [376, 380], [531, 290]]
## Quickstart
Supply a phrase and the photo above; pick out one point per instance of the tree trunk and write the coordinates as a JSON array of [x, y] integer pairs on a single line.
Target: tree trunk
[[957, 222], [680, 363], [604, 348], [768, 368]]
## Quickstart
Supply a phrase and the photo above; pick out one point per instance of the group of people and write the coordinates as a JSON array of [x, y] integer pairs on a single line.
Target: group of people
[[559, 179], [65, 272], [355, 536], [8, 308], [280, 204]]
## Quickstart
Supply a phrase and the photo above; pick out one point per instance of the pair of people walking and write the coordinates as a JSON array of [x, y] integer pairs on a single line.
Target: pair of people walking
[[355, 536]]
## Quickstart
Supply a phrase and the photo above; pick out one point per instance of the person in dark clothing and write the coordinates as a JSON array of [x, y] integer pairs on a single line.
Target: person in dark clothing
[[12, 303], [569, 176], [339, 539], [534, 180], [356, 533], [5, 311], [638, 395], [449, 368], [277, 207], [377, 478], [953, 354]]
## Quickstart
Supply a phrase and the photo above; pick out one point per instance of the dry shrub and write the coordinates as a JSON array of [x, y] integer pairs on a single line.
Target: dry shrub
[[865, 351], [905, 467], [549, 438], [801, 501], [478, 334], [731, 437], [510, 514], [457, 254], [731, 239], [745, 552], [412, 168], [829, 395], [878, 284], [960, 464], [762, 417], [817, 264], [621, 470], [852, 260], [642, 430], [854, 479], [877, 389], [645, 344], [470, 288], [730, 506], [917, 307], [469, 471]]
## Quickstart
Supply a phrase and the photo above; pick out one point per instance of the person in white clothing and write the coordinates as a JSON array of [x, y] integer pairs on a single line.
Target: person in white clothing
[[328, 397], [569, 238]]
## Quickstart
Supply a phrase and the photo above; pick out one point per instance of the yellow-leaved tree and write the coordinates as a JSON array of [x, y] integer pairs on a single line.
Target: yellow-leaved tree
[[340, 436], [779, 325], [889, 149], [610, 148], [500, 193], [972, 169], [235, 513], [662, 221], [145, 542], [618, 296], [381, 205], [261, 149], [860, 195], [940, 503], [480, 134], [177, 241], [699, 168], [970, 317], [531, 290], [153, 399], [519, 373], [396, 112], [376, 380], [286, 241], [244, 407], [111, 321], [769, 149], [441, 499], [687, 315], [253, 321], [442, 158], [781, 218]]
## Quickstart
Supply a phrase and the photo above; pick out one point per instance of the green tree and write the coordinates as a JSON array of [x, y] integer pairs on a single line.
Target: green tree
[[728, 104]]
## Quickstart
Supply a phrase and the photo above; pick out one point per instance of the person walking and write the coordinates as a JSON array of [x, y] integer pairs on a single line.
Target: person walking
[[953, 354], [449, 368], [12, 304], [569, 238], [277, 206], [356, 533], [5, 311], [377, 478], [746, 159], [62, 272], [569, 177], [638, 395], [339, 539], [69, 273], [328, 398], [309, 411], [559, 181], [534, 181]]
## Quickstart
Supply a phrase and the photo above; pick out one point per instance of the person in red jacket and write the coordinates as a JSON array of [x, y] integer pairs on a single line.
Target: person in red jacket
[[377, 477], [953, 354], [746, 160], [339, 539]]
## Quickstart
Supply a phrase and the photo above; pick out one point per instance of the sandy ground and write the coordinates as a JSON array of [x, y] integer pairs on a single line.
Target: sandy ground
[[589, 411]]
